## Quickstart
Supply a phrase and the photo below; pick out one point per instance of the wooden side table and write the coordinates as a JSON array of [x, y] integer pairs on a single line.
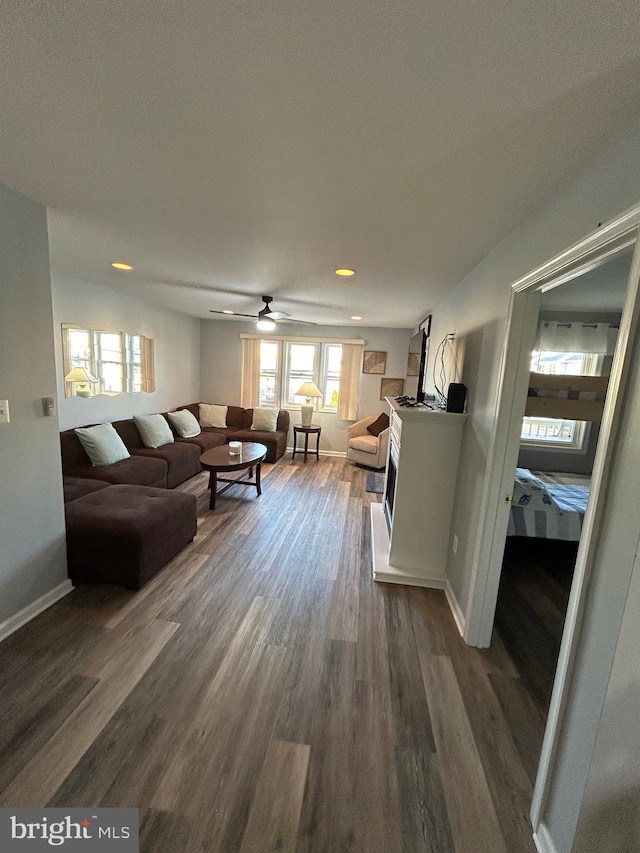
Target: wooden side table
[[307, 431]]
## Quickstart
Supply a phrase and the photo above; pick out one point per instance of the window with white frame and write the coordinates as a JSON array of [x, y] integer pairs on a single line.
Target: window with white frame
[[560, 433], [286, 365], [119, 361]]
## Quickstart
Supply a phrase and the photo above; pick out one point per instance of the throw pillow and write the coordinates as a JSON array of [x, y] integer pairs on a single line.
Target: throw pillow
[[213, 416], [184, 423], [154, 430], [265, 419], [380, 424], [103, 444]]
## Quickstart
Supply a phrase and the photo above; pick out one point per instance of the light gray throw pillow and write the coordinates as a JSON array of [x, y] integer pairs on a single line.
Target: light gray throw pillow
[[184, 423], [212, 415], [265, 419], [103, 444], [154, 430]]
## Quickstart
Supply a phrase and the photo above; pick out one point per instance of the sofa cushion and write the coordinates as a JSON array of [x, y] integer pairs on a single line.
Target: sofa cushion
[[103, 444], [78, 487], [264, 419], [211, 415], [184, 423], [275, 442], [381, 423], [182, 458], [205, 440], [365, 443], [154, 430]]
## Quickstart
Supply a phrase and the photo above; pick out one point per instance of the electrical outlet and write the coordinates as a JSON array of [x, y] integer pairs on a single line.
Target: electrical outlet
[[455, 543], [4, 412]]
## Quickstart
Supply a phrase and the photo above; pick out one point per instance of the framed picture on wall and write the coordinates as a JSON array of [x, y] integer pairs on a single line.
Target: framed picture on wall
[[374, 361], [425, 325], [391, 387], [413, 364]]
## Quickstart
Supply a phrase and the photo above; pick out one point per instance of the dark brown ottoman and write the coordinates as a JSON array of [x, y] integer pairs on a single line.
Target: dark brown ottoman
[[124, 535]]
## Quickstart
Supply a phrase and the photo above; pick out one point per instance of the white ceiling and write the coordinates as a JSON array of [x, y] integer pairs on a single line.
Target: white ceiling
[[229, 149]]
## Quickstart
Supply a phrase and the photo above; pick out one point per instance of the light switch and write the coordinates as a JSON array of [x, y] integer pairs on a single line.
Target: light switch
[[4, 412], [48, 407]]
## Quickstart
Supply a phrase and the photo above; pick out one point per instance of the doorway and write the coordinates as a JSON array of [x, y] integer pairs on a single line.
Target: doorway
[[576, 334], [605, 535]]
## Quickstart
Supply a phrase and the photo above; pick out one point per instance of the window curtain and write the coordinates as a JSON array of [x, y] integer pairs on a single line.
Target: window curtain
[[147, 364], [349, 382], [250, 373], [574, 337]]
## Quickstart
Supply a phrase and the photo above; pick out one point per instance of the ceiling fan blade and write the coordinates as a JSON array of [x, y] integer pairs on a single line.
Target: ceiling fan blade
[[276, 315], [235, 314], [304, 322]]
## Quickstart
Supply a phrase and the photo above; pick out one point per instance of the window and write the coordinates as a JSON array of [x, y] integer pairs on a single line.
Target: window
[[285, 365], [554, 432], [109, 361], [134, 363], [119, 361]]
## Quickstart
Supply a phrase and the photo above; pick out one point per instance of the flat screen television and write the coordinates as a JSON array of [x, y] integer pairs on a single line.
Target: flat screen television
[[418, 346]]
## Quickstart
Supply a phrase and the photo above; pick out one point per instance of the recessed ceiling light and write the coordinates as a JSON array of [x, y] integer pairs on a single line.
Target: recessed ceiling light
[[356, 317], [345, 271], [121, 265], [227, 311]]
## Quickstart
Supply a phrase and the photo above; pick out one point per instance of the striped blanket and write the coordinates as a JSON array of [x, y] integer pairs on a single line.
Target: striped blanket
[[548, 505]]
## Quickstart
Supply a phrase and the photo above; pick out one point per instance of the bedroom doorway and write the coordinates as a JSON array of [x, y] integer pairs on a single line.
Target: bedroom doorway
[[576, 334], [606, 538]]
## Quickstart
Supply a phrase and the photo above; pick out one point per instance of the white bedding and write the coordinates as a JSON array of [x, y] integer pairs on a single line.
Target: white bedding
[[548, 505]]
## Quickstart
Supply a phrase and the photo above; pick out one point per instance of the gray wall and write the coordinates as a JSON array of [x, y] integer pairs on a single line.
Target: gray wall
[[221, 367], [32, 557], [477, 310], [177, 350]]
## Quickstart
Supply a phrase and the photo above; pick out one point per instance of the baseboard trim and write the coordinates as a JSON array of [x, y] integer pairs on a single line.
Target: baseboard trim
[[340, 453], [543, 841], [455, 608], [32, 610]]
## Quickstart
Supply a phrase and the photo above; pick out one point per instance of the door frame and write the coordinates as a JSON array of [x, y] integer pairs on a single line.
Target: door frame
[[603, 244]]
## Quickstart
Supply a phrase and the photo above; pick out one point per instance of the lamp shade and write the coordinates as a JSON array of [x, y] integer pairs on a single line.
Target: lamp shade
[[80, 374], [81, 378], [308, 389]]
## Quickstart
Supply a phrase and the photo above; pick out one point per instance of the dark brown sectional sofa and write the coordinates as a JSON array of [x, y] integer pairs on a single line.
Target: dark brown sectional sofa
[[123, 521], [238, 428], [172, 464]]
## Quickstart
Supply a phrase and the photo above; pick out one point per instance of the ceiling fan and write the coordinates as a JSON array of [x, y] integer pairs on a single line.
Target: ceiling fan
[[266, 317]]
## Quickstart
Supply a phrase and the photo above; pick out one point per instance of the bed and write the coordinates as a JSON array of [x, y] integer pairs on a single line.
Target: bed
[[548, 505]]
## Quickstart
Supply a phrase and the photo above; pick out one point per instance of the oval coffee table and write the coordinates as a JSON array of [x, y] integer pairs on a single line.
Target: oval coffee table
[[219, 460]]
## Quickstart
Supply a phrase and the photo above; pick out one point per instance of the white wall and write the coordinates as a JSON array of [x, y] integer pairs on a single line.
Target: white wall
[[177, 350], [477, 310], [33, 555], [610, 817], [221, 367]]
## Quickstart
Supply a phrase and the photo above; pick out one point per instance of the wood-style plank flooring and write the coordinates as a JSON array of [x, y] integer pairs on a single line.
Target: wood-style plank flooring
[[532, 604], [264, 694]]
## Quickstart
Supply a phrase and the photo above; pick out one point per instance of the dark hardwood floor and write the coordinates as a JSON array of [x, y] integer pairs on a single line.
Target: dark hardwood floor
[[532, 604], [264, 694]]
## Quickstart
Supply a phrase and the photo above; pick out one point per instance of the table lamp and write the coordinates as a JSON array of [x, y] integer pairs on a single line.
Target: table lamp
[[307, 390], [81, 378]]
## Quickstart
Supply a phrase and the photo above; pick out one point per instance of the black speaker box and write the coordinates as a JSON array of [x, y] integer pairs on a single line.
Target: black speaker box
[[456, 397]]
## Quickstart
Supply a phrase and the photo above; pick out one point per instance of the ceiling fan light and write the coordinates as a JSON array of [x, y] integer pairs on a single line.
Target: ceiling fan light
[[265, 325]]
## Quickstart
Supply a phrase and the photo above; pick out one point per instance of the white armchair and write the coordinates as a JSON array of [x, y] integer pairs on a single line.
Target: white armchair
[[364, 448]]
